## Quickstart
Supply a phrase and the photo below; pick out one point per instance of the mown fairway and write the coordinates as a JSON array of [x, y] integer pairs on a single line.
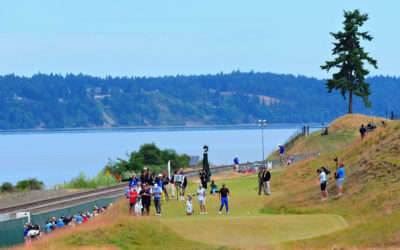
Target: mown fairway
[[246, 225]]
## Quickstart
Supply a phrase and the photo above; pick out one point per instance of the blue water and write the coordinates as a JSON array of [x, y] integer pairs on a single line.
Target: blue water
[[55, 157]]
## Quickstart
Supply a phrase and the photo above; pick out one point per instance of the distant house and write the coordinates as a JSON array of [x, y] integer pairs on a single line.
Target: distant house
[[101, 97]]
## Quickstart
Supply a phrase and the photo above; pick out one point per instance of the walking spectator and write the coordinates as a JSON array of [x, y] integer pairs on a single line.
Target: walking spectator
[[339, 181], [236, 162], [224, 196], [363, 131], [48, 226], [203, 178], [157, 192], [266, 179], [322, 180], [260, 180], [201, 197], [127, 196], [133, 194], [213, 188], [145, 195], [281, 155]]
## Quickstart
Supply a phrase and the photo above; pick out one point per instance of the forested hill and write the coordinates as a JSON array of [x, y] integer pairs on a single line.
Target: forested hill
[[55, 101]]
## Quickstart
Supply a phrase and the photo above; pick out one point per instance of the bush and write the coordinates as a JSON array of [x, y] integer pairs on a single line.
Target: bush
[[6, 187], [81, 181], [29, 184]]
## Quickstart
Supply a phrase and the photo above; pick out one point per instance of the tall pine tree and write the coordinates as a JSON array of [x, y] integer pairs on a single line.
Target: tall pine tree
[[350, 60]]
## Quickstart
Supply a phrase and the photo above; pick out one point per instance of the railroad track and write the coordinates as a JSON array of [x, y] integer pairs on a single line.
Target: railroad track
[[85, 196]]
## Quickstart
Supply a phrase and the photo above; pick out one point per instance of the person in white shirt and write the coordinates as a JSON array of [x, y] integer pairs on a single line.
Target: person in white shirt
[[322, 180], [201, 197]]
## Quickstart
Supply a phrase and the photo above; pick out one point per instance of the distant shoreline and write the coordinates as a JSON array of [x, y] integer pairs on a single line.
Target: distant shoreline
[[164, 128]]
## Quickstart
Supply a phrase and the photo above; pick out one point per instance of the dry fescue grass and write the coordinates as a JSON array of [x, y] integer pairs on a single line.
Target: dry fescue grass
[[371, 198]]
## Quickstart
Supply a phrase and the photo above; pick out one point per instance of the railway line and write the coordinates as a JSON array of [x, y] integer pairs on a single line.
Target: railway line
[[82, 197]]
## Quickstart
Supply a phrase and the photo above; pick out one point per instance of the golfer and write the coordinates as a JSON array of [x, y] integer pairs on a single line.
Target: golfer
[[224, 195], [201, 197]]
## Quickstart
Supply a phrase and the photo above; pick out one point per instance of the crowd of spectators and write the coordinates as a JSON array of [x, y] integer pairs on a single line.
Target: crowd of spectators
[[34, 231]]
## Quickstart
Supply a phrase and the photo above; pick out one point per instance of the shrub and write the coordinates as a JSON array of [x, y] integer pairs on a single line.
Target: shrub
[[30, 184], [6, 187]]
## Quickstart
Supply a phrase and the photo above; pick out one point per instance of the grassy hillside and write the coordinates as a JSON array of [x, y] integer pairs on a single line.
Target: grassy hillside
[[294, 216]]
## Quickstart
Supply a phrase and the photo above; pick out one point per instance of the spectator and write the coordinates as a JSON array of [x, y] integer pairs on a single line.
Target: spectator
[[85, 219], [133, 181], [213, 188], [236, 162], [165, 184], [48, 226], [339, 181], [157, 199], [201, 197], [145, 195], [79, 218], [127, 195], [203, 178], [60, 223], [363, 131], [322, 180], [266, 179], [281, 155], [182, 186], [133, 194], [224, 196], [260, 180]]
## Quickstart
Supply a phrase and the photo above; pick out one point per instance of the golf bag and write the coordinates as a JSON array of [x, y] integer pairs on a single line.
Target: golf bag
[[189, 205]]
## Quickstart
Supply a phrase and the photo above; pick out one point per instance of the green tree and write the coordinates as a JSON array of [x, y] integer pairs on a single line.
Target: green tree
[[6, 187], [150, 154], [350, 60]]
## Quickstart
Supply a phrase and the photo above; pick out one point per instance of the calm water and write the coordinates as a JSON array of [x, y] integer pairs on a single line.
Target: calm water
[[55, 157]]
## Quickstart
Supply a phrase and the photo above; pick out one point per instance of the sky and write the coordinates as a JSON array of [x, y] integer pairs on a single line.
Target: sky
[[157, 38]]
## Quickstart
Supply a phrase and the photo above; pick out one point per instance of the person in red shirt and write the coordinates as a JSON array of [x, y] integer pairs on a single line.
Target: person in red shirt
[[133, 194], [85, 219]]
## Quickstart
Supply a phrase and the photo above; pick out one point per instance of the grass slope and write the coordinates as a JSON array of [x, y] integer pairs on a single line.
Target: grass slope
[[367, 215]]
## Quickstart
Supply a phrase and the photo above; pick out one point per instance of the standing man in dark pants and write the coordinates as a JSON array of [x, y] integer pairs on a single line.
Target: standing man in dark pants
[[363, 131], [223, 196], [145, 195], [203, 179], [260, 180], [266, 179], [157, 192]]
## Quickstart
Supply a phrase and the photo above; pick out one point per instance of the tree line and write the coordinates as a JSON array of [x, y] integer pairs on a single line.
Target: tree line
[[82, 101]]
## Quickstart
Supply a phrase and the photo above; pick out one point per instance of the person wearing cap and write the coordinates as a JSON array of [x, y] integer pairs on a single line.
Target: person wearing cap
[[340, 176], [266, 178], [145, 195], [223, 196], [201, 197], [236, 162], [203, 178], [133, 181], [133, 194], [260, 181], [157, 193], [127, 195], [281, 155], [165, 185], [182, 186]]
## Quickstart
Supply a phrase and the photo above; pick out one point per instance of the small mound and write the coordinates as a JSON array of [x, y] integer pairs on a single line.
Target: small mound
[[352, 122]]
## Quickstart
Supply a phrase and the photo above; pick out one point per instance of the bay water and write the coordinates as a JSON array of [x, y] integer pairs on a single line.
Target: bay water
[[57, 156]]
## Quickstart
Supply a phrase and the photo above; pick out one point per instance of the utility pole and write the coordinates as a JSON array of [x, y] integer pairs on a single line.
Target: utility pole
[[262, 123]]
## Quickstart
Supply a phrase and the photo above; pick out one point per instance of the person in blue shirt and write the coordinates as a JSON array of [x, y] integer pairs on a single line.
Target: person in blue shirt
[[281, 155], [48, 226], [79, 218], [339, 181], [133, 181], [60, 223], [236, 162], [157, 192]]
